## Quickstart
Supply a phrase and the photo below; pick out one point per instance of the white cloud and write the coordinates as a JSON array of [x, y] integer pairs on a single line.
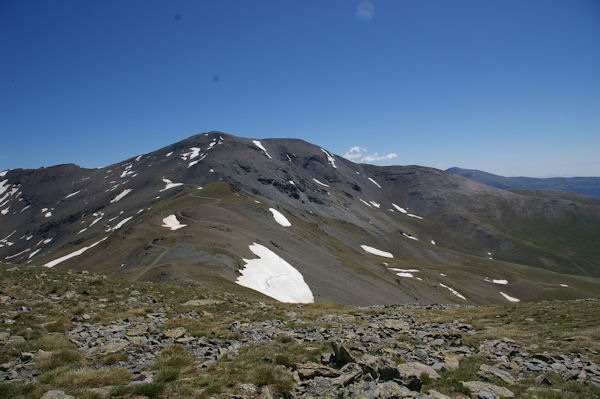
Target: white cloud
[[360, 154], [354, 153]]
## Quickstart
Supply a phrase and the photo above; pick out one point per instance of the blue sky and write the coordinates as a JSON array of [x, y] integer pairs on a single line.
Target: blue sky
[[507, 86]]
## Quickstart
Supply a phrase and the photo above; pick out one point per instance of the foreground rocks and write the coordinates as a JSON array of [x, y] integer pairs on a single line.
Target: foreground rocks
[[374, 352]]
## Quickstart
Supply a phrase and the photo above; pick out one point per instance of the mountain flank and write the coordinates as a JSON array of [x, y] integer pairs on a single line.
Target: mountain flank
[[289, 220]]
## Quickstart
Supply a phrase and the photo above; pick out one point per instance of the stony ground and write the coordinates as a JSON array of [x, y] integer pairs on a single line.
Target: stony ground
[[73, 334]]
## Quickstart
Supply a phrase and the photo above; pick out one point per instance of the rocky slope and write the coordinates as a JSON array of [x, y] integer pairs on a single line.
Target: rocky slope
[[75, 334], [300, 224]]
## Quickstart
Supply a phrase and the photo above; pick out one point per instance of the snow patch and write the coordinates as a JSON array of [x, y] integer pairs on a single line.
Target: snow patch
[[72, 194], [321, 183], [564, 285], [5, 211], [414, 216], [501, 282], [170, 184], [365, 202], [137, 159], [274, 277], [405, 274], [193, 163], [31, 255], [120, 196], [259, 145], [330, 158], [4, 172], [509, 298], [194, 152], [376, 251], [172, 223], [169, 154], [399, 208], [395, 269], [20, 253], [279, 218], [374, 182], [121, 223], [432, 242], [409, 236], [72, 254], [375, 204], [48, 214], [454, 292]]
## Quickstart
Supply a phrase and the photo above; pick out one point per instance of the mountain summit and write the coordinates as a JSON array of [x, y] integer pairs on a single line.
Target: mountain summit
[[291, 220]]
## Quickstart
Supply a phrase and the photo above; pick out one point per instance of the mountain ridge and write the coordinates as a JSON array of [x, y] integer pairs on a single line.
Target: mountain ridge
[[456, 232], [582, 185]]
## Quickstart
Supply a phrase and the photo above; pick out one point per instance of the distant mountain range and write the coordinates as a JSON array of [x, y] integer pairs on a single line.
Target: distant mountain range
[[581, 185], [290, 220]]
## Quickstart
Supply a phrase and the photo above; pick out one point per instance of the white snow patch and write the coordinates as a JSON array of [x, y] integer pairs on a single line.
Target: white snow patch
[[72, 254], [5, 211], [120, 196], [72, 194], [443, 275], [292, 182], [321, 183], [564, 285], [376, 251], [409, 236], [501, 282], [279, 218], [274, 277], [82, 230], [414, 216], [193, 163], [395, 269], [47, 240], [211, 170], [169, 154], [20, 253], [330, 158], [510, 298], [259, 145], [3, 188], [432, 242], [374, 182], [96, 220], [48, 214], [399, 208], [365, 202], [127, 171], [31, 255], [194, 152], [138, 158], [375, 204], [27, 207], [405, 274], [172, 223], [3, 173], [170, 184], [121, 223], [140, 211], [453, 291]]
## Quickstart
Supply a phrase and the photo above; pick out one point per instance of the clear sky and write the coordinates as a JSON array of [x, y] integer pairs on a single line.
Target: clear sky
[[507, 86]]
